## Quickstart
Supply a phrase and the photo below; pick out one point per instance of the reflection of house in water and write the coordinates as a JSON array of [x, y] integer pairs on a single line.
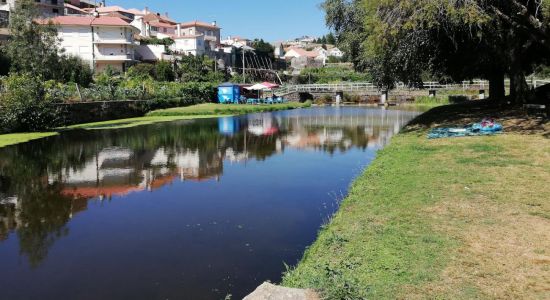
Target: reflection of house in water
[[262, 124], [345, 130], [120, 171]]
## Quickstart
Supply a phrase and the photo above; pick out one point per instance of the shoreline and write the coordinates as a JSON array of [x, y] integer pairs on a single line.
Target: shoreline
[[433, 218], [200, 111]]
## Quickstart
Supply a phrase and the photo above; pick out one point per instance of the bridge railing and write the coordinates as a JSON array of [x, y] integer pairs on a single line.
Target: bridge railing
[[370, 87]]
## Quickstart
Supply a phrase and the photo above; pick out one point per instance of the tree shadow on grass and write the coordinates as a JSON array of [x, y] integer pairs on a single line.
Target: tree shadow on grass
[[513, 117]]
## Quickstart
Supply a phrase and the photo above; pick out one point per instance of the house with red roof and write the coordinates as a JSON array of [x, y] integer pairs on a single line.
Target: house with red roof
[[210, 31], [102, 41]]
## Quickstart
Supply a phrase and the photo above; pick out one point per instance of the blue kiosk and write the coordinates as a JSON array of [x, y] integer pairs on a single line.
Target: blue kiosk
[[229, 93]]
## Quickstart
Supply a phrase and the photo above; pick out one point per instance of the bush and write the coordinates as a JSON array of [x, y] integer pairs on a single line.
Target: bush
[[352, 98], [141, 71], [164, 71], [24, 106], [325, 99], [73, 69]]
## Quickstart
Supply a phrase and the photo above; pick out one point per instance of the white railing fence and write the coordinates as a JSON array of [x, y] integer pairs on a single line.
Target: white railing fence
[[370, 87]]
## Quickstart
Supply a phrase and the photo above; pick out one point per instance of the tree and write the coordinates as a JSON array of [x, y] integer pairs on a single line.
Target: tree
[[452, 40], [24, 105], [264, 49], [32, 47], [164, 71], [331, 40], [141, 71]]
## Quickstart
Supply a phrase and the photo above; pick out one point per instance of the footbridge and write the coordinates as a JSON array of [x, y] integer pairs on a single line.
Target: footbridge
[[370, 89]]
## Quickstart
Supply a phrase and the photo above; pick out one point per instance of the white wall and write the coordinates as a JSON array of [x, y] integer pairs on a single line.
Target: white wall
[[150, 52], [77, 41], [193, 45]]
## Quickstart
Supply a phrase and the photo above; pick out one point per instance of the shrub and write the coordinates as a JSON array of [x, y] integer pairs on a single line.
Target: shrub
[[325, 99], [352, 98], [141, 71], [73, 69], [164, 71], [24, 105]]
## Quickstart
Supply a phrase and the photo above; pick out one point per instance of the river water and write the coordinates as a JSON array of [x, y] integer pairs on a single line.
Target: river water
[[181, 210]]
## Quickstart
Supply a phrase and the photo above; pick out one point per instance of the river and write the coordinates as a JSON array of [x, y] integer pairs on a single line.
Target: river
[[194, 209]]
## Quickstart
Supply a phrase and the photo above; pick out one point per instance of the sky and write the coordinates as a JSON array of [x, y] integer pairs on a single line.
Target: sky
[[272, 20]]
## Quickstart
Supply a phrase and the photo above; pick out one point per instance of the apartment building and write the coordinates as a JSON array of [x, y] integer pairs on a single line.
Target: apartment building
[[189, 45], [101, 41], [50, 8], [211, 32]]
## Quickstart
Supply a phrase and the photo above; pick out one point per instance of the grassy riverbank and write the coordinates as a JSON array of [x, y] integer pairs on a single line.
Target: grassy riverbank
[[200, 111], [16, 138], [453, 218], [225, 109]]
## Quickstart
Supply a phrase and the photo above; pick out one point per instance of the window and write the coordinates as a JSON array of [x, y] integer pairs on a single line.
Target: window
[[4, 18], [54, 2]]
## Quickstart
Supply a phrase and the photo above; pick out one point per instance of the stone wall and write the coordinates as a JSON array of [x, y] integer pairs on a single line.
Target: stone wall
[[87, 112]]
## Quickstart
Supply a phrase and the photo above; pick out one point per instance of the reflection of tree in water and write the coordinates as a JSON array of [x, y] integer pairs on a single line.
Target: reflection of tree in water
[[42, 221], [31, 175], [36, 199]]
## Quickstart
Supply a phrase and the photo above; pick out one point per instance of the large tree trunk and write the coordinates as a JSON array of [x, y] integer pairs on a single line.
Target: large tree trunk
[[497, 90], [519, 90]]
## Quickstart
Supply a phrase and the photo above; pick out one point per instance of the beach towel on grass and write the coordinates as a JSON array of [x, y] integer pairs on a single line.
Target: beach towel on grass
[[485, 127]]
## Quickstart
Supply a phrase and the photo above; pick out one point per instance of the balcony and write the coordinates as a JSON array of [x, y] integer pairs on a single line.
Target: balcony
[[121, 41], [114, 57]]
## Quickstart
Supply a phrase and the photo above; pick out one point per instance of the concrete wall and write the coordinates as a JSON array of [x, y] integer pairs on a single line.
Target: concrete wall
[[150, 52]]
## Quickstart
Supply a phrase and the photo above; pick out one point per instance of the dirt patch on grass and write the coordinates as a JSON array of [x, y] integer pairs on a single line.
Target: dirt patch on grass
[[498, 217]]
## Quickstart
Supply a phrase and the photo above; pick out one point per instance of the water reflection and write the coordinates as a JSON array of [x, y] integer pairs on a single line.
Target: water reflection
[[47, 183]]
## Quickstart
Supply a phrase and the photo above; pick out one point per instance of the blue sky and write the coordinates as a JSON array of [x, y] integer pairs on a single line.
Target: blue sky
[[272, 20]]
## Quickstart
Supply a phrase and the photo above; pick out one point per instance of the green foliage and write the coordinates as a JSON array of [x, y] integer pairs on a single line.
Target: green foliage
[[33, 49], [164, 71], [198, 69], [264, 49], [73, 69], [24, 105], [332, 75], [141, 71], [157, 41], [456, 40]]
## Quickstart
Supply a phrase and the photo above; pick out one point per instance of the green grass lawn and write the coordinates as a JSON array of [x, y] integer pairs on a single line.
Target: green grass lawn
[[132, 122], [225, 109], [461, 218], [16, 138]]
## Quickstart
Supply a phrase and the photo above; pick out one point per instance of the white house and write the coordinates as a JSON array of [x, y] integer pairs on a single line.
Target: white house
[[101, 41], [211, 32], [335, 52], [322, 53], [46, 8], [155, 25], [189, 44], [296, 52]]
